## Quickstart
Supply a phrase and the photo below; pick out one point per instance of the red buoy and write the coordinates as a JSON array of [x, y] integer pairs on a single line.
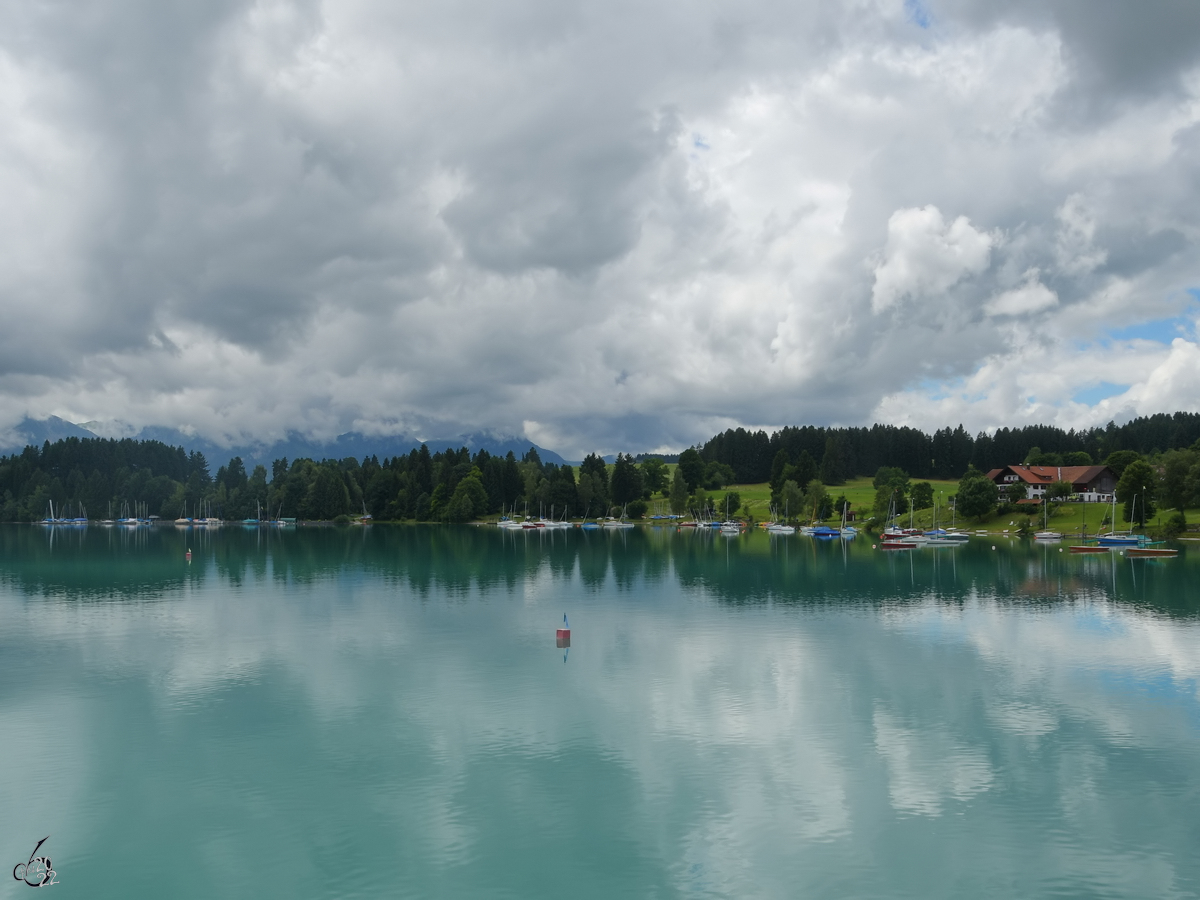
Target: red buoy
[[562, 637]]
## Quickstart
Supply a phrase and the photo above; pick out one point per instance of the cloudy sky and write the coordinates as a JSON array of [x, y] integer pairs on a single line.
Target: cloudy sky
[[601, 226]]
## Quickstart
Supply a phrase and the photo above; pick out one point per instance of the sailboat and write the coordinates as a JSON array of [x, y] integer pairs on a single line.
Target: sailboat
[[781, 527], [1085, 547], [937, 537], [847, 531], [893, 537], [511, 521], [729, 526], [954, 534], [618, 523], [909, 535], [1144, 548], [1116, 538], [1046, 534]]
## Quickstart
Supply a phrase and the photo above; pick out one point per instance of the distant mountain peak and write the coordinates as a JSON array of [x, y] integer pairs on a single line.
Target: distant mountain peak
[[293, 446], [35, 432]]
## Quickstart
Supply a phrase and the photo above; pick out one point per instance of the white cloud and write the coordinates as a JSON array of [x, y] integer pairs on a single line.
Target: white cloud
[[925, 256], [629, 226], [1075, 251], [1030, 297]]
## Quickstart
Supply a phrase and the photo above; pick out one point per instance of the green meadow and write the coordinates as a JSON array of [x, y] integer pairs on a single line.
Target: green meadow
[[1069, 518], [1064, 517]]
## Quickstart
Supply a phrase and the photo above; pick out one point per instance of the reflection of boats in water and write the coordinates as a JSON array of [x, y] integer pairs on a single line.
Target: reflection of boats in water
[[1153, 552]]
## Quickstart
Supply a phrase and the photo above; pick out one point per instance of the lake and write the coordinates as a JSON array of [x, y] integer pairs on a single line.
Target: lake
[[384, 711]]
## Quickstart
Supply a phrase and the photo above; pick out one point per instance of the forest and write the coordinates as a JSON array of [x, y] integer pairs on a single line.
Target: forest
[[844, 453], [103, 478]]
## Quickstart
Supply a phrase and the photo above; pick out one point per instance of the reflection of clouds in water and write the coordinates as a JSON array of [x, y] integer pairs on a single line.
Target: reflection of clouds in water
[[729, 688], [751, 722], [1081, 771], [1060, 653], [197, 642], [928, 767], [1022, 718], [42, 776], [714, 859]]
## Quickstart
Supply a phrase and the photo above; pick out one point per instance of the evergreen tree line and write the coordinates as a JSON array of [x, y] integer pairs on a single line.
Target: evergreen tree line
[[842, 453], [109, 478], [100, 477]]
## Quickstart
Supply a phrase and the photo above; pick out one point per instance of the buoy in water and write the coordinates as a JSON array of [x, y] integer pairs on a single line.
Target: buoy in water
[[562, 637], [188, 556]]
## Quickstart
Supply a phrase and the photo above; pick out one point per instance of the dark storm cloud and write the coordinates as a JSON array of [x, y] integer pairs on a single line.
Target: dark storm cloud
[[607, 227], [1118, 50]]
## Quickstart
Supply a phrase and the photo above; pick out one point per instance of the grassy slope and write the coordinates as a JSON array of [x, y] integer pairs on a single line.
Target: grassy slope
[[859, 491], [1064, 517]]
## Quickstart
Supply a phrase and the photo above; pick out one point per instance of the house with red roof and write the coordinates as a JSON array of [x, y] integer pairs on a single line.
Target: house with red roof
[[1091, 484]]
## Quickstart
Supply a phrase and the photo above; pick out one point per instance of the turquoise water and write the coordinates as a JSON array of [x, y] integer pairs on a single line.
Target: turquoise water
[[383, 711]]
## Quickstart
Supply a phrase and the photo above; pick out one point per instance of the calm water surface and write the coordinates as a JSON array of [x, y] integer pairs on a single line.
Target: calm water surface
[[349, 712]]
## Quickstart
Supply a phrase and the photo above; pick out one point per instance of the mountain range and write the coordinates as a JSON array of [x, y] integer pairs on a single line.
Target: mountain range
[[37, 431]]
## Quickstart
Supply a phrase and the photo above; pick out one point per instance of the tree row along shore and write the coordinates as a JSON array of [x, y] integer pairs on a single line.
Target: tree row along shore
[[99, 478]]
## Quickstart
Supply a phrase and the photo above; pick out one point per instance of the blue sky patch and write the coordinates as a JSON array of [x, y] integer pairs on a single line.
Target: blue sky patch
[[916, 12], [1160, 685], [934, 389], [1162, 330], [1102, 391]]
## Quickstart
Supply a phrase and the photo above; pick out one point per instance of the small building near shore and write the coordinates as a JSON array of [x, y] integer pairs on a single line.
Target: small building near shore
[[1090, 484]]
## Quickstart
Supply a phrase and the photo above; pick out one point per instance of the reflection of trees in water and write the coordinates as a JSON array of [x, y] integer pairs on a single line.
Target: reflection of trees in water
[[93, 562], [460, 561]]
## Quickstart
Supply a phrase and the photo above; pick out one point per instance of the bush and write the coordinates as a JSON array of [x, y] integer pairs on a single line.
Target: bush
[[1176, 525], [977, 494], [636, 509], [343, 519]]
